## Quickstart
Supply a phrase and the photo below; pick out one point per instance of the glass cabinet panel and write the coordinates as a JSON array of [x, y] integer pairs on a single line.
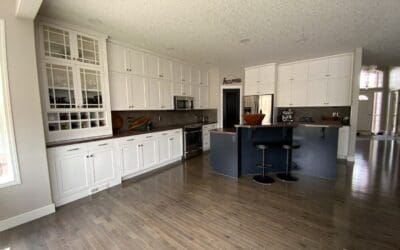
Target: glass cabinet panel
[[60, 85], [56, 42], [88, 50], [91, 88]]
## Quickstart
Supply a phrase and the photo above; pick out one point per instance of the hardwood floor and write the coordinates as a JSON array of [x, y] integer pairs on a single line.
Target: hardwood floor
[[188, 206]]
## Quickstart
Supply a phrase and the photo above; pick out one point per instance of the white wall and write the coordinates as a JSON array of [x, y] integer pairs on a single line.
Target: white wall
[[34, 191]]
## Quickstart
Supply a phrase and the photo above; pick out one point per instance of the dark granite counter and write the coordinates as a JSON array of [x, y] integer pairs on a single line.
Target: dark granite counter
[[117, 135], [294, 125]]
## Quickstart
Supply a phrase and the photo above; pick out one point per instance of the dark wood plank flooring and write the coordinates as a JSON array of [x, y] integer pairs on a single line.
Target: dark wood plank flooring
[[189, 207]]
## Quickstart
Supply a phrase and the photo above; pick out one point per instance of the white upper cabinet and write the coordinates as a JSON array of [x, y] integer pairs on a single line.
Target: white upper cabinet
[[177, 72], [260, 80], [166, 95], [317, 82], [165, 69], [318, 69], [119, 91], [152, 66], [195, 75], [136, 62], [204, 97], [117, 58], [204, 77], [153, 93], [186, 74], [137, 90]]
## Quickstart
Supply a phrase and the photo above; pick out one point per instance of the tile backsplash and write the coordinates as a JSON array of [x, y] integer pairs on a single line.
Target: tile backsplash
[[162, 118], [316, 112]]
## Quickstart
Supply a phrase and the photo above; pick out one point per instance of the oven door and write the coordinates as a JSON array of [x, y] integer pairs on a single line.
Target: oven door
[[193, 143]]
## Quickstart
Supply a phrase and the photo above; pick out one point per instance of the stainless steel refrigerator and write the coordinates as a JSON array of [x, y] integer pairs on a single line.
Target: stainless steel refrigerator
[[256, 104]]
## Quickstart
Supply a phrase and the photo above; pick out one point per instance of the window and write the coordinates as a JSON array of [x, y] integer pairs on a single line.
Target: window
[[371, 78], [9, 174]]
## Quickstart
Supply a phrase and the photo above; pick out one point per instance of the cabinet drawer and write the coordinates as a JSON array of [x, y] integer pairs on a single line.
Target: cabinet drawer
[[70, 149], [99, 144]]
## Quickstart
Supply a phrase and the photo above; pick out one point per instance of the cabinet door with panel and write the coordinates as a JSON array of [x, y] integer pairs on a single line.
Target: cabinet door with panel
[[204, 96], [284, 92], [130, 150], [340, 66], [165, 69], [104, 165], [117, 58], [185, 74], [152, 66], [153, 93], [166, 95], [136, 62], [298, 93], [204, 77], [177, 72], [186, 89], [176, 144], [300, 71], [137, 92], [251, 76], [119, 91], [318, 69], [194, 75], [149, 152], [317, 90], [195, 93], [251, 89], [338, 91], [164, 147]]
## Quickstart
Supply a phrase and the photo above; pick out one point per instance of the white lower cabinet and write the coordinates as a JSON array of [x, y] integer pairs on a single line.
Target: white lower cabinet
[[82, 169], [343, 142], [206, 135], [79, 170]]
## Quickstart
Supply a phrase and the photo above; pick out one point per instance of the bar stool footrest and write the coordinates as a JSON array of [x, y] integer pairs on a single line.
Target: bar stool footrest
[[286, 177], [266, 180], [260, 165]]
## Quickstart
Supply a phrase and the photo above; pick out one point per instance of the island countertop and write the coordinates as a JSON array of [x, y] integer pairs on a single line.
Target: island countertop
[[319, 124]]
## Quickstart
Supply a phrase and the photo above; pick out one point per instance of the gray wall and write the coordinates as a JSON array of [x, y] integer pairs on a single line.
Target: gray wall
[[34, 192]]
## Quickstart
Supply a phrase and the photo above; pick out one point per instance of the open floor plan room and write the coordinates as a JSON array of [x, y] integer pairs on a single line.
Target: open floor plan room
[[199, 124]]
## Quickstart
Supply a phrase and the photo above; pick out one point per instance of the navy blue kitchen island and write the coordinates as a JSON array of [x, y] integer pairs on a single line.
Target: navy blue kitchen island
[[233, 152]]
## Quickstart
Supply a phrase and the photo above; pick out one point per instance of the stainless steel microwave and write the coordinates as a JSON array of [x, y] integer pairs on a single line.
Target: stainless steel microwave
[[183, 102]]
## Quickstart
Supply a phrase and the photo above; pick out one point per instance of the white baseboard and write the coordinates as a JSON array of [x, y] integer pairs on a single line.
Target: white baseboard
[[26, 217], [350, 158]]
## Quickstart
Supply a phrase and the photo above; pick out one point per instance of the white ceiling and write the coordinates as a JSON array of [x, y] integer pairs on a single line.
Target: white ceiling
[[209, 31]]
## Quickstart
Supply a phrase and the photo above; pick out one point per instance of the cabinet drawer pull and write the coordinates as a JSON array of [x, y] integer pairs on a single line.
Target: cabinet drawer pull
[[150, 136], [164, 133], [103, 144], [73, 149], [132, 139]]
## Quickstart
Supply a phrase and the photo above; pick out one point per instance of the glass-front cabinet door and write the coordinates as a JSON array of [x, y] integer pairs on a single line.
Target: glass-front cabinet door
[[60, 86], [91, 88], [88, 50], [56, 42]]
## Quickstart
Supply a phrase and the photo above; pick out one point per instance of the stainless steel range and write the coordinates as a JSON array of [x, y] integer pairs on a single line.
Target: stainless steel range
[[192, 140]]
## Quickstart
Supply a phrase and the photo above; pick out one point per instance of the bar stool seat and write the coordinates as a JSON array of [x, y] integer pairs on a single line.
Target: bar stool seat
[[263, 179], [287, 176]]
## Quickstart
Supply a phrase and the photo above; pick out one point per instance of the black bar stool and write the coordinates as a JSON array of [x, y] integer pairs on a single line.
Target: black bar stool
[[287, 175], [263, 179]]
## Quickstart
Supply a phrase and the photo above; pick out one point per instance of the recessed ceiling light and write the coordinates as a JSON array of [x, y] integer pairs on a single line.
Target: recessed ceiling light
[[170, 48], [95, 21], [245, 40]]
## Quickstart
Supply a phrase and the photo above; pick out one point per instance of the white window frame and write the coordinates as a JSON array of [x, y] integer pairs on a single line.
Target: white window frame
[[4, 84]]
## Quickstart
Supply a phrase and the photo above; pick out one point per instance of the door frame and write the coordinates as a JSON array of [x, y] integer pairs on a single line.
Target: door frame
[[221, 113]]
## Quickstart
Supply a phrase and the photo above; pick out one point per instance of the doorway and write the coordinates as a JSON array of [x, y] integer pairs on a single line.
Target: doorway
[[231, 107]]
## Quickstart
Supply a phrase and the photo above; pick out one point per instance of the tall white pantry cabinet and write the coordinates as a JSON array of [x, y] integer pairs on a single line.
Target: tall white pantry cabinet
[[73, 78]]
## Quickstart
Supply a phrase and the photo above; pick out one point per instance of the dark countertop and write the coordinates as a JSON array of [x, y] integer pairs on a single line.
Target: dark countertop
[[117, 135], [231, 131], [320, 124]]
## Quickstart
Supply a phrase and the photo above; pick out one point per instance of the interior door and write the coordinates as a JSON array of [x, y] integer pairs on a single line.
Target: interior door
[[137, 91], [231, 107], [365, 109]]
